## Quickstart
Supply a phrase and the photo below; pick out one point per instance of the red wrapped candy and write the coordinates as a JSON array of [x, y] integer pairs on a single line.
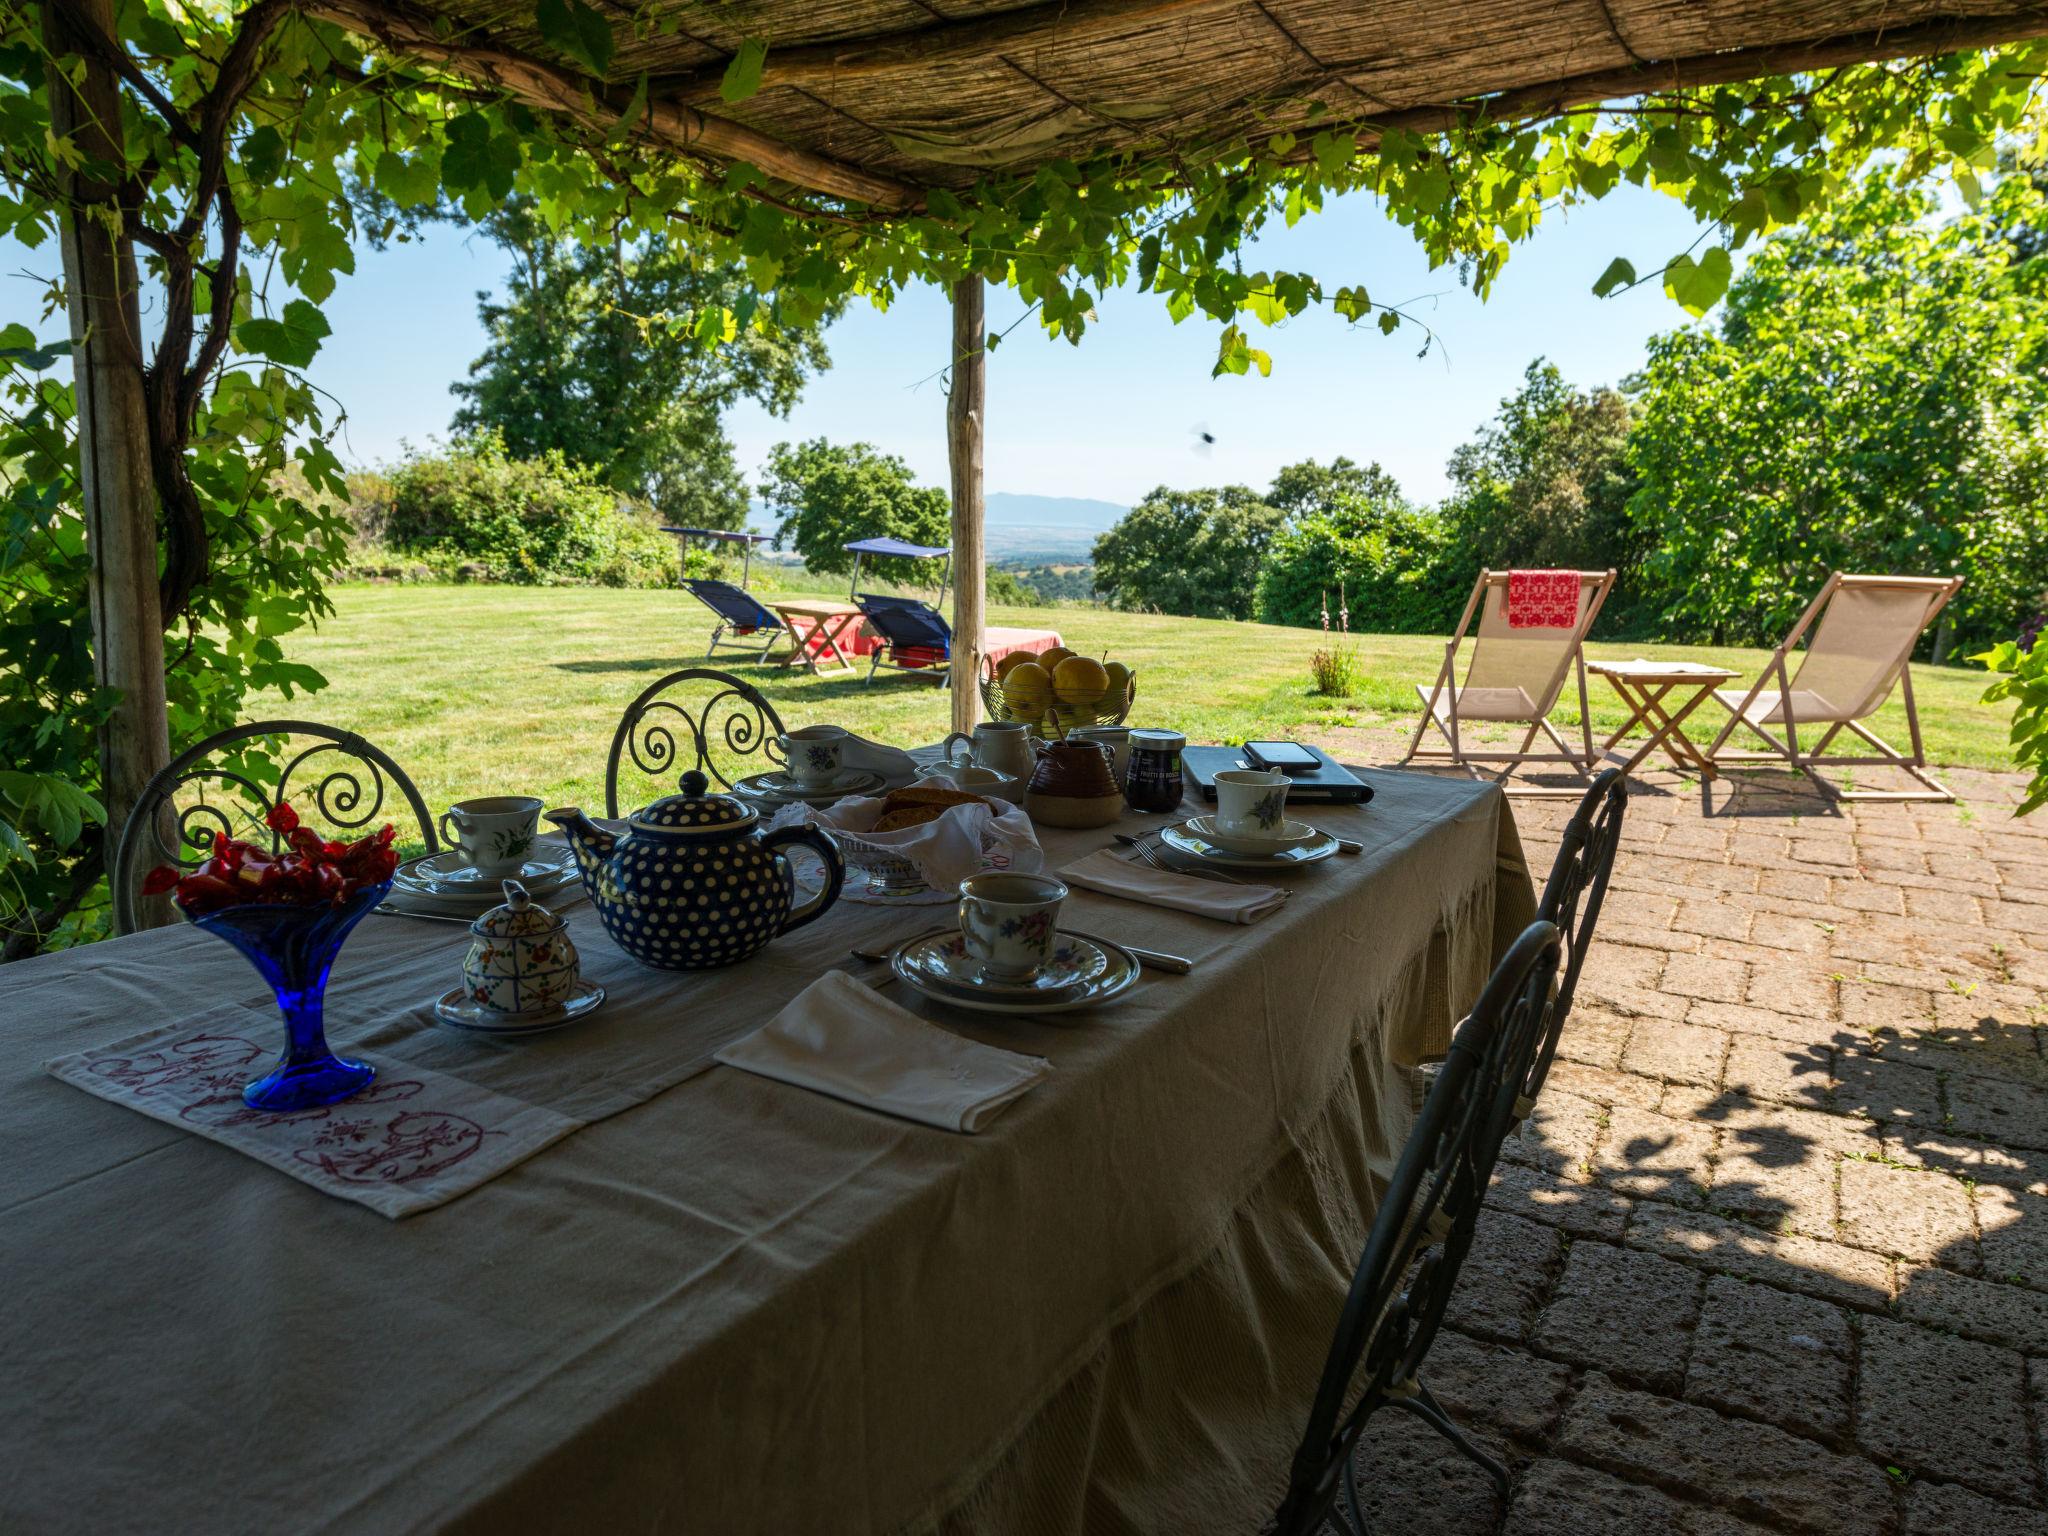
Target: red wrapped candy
[[307, 871]]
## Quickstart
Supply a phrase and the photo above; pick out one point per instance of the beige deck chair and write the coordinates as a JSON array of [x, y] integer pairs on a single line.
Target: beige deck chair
[[1514, 677], [1861, 647]]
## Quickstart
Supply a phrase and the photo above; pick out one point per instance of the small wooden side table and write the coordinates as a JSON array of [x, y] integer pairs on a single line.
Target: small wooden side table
[[817, 627], [1646, 687]]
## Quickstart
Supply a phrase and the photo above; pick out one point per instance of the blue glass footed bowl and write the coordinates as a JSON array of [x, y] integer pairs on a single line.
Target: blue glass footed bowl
[[294, 949]]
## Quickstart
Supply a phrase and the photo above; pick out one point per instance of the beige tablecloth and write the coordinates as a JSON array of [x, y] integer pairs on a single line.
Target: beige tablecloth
[[734, 1305]]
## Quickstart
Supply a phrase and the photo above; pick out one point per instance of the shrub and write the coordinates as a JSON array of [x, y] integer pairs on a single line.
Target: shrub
[[1403, 574], [2026, 681], [538, 522], [1336, 671]]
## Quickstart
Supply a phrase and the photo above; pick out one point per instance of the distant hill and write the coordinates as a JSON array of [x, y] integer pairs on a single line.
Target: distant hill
[[1021, 525]]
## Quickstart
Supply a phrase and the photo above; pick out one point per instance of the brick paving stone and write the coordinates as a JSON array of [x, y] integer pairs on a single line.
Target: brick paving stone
[[1999, 1111], [1797, 884], [1506, 1273], [2037, 1394], [1628, 1312], [1704, 976], [1627, 965], [1867, 896], [1652, 1156], [1815, 1267], [1979, 1046], [1792, 987], [1584, 1210], [1907, 1214], [1755, 1471], [1767, 1354], [1482, 1383], [1596, 1085], [1996, 1313], [1943, 1509], [1781, 930], [1775, 1178], [1711, 920], [1557, 1498], [1780, 1070], [1732, 1111], [1872, 1083], [1592, 1034], [1951, 1407], [1740, 1018], [1410, 1479], [1887, 1007], [1955, 906], [1679, 1053], [1558, 1135], [1983, 1161], [2014, 1226]]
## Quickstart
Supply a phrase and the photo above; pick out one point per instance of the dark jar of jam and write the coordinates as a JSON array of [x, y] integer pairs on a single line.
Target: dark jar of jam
[[1155, 782]]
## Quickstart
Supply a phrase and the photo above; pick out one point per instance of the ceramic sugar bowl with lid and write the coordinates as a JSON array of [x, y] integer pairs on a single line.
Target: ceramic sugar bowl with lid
[[694, 882], [521, 959]]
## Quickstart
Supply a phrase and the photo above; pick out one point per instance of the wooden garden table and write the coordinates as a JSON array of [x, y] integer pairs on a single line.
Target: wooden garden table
[[817, 625], [1647, 687]]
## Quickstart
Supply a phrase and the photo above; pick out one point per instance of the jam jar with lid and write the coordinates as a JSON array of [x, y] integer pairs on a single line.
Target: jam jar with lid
[[1154, 783]]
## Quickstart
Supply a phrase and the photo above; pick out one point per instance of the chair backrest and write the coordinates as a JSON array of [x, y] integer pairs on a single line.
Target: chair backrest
[[734, 604], [905, 621], [1423, 1228], [1532, 657], [722, 726], [339, 783], [1571, 899], [1866, 633]]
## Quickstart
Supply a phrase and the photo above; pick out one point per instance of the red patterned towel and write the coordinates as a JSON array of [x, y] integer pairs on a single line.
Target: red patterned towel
[[1542, 599]]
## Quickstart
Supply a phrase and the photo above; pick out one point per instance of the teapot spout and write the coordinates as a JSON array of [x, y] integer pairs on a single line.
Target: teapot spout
[[591, 844]]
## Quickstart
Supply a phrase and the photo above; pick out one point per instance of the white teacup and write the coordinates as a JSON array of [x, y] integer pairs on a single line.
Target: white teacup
[[813, 753], [1252, 803], [494, 833], [1009, 921]]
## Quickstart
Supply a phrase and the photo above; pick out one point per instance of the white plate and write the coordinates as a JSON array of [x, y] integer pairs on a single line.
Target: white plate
[[1193, 845], [942, 958], [777, 787], [457, 1011], [1118, 978], [449, 876], [1293, 834]]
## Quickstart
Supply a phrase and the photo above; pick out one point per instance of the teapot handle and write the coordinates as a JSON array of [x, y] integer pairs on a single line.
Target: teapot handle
[[835, 871]]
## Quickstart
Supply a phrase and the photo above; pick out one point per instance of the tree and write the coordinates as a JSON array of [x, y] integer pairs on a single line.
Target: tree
[[1547, 482], [824, 495], [580, 362], [1195, 553], [1301, 490], [1872, 401]]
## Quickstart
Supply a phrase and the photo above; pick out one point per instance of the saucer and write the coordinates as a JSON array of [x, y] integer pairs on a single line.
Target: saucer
[[1118, 976], [778, 787], [1184, 840], [457, 1011], [1293, 834], [449, 876], [943, 959]]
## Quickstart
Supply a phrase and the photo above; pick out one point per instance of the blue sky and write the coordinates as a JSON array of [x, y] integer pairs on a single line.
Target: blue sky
[[1113, 417]]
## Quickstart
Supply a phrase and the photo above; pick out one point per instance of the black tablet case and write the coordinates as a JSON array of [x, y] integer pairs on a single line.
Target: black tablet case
[[1327, 782]]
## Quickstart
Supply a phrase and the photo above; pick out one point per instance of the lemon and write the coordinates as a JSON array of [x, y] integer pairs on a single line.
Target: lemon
[[1028, 691], [1011, 663], [1051, 659], [1079, 681], [1116, 683]]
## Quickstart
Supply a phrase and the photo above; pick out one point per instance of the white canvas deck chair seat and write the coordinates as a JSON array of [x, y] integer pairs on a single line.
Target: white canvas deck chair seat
[[1864, 629], [1531, 631]]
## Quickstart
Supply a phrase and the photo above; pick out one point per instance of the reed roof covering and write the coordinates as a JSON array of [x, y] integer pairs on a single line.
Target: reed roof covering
[[875, 101]]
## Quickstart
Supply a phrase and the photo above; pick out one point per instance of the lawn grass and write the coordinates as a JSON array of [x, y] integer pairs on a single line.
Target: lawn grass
[[480, 690]]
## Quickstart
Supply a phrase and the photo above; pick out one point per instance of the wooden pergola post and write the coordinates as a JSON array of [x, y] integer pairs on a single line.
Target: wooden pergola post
[[966, 407], [115, 483]]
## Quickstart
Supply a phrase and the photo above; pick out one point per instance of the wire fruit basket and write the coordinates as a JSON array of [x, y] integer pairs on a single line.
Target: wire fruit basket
[[1056, 719]]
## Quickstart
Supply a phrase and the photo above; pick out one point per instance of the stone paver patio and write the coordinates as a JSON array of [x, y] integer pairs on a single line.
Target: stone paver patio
[[1772, 1255]]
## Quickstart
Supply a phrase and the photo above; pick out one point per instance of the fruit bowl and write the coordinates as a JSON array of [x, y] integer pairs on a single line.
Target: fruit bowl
[[1056, 718]]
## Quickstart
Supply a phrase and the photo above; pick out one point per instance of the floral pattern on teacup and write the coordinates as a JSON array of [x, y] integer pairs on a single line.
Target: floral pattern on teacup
[[821, 759], [1269, 810]]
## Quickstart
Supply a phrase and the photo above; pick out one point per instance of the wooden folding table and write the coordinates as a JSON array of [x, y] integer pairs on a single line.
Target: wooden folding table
[[1646, 687], [818, 625]]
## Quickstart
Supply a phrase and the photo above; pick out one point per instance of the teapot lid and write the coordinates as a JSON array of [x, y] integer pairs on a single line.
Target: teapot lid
[[694, 811], [519, 917]]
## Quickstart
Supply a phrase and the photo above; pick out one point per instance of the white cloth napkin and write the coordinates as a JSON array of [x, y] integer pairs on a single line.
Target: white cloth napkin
[[896, 766], [842, 1038], [962, 841], [1105, 871]]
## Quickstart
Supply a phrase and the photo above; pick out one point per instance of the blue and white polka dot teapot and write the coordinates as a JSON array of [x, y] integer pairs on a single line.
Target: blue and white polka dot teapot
[[694, 883]]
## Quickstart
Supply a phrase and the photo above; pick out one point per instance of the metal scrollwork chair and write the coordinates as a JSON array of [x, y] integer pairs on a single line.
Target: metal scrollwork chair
[[1571, 899], [731, 732], [229, 782], [1419, 1239]]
